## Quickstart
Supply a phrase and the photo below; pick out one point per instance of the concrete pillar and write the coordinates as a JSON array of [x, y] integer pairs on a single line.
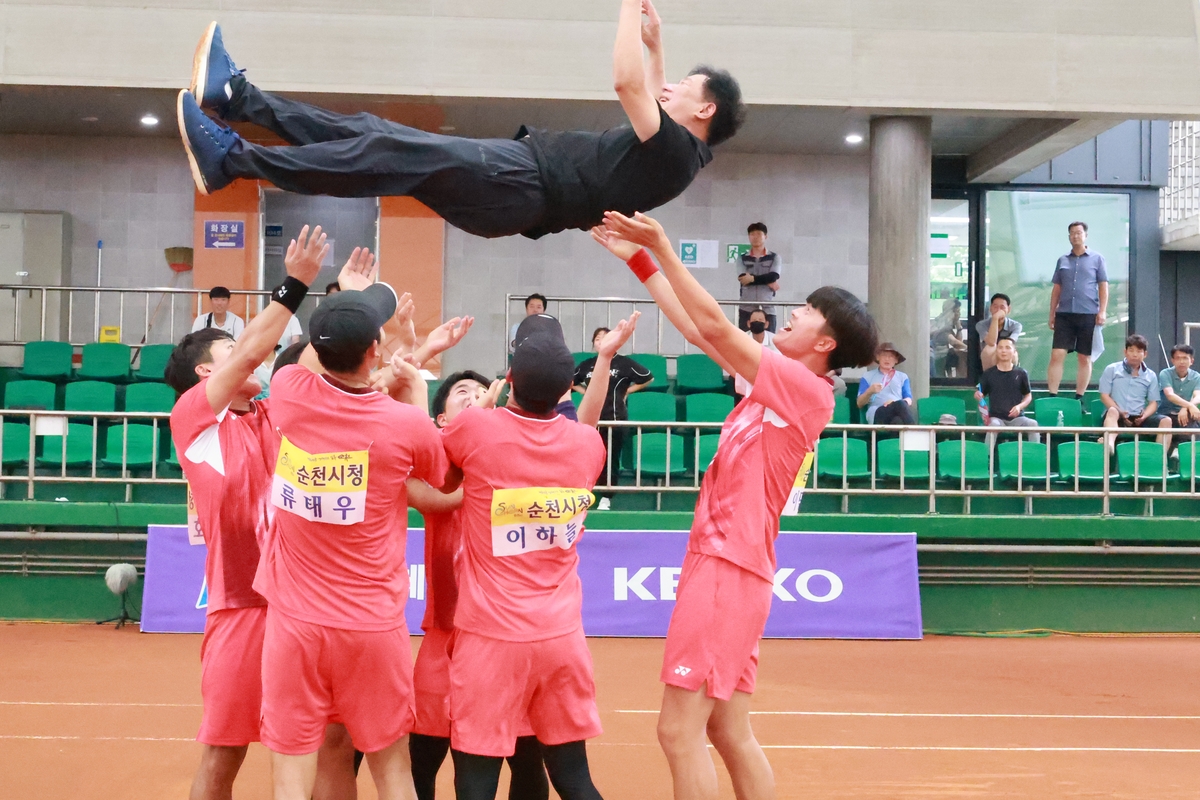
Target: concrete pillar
[[898, 254]]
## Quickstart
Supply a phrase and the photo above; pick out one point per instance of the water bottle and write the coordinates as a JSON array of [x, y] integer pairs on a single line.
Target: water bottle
[[983, 403], [1059, 424]]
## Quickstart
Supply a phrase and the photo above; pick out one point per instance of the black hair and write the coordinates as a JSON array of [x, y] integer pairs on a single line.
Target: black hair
[[758, 310], [1183, 348], [333, 287], [1080, 224], [539, 407], [1006, 336], [853, 327], [339, 360], [1138, 341], [536, 296], [289, 355], [217, 292], [757, 226], [722, 88], [1001, 296], [193, 350], [437, 406], [596, 332]]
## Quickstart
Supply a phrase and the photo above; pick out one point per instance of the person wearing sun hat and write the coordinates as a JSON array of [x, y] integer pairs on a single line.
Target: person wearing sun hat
[[886, 391]]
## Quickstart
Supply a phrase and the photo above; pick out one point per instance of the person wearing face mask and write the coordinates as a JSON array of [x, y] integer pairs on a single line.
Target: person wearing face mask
[[756, 330]]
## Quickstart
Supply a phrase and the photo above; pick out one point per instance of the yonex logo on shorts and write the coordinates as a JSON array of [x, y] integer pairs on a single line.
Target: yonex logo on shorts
[[682, 670]]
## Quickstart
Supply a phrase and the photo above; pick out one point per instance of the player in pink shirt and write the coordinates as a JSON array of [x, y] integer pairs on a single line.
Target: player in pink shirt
[[218, 432], [333, 572], [724, 596]]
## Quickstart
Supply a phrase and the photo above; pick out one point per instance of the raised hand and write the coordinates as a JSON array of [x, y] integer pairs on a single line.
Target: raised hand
[[651, 26], [492, 396], [615, 339], [638, 229], [305, 254], [359, 271], [402, 324], [614, 244], [445, 336]]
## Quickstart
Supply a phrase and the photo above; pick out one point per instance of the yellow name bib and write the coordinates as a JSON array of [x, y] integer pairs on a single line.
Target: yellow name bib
[[537, 518], [793, 503], [321, 487]]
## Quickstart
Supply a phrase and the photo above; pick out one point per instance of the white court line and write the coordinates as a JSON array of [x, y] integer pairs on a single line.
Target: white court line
[[1181, 750], [10, 736], [939, 716], [119, 705]]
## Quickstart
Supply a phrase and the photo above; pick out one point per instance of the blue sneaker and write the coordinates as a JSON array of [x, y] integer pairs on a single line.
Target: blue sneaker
[[211, 70], [207, 143]]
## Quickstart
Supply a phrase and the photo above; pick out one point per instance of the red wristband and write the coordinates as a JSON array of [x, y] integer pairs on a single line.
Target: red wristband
[[643, 265]]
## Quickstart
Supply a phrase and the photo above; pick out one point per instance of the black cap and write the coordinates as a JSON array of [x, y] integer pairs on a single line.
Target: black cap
[[344, 325], [542, 368]]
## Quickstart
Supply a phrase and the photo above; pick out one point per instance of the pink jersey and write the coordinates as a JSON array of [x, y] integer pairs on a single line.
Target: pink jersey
[[335, 555], [762, 447], [443, 543], [526, 489], [222, 459]]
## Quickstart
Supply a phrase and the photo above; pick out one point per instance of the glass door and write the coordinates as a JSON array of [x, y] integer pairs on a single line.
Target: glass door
[[949, 289]]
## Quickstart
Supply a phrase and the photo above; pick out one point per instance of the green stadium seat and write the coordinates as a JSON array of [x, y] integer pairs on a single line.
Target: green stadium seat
[[951, 456], [1189, 461], [697, 372], [657, 364], [651, 407], [1031, 459], [931, 409], [16, 444], [90, 396], [1093, 461], [655, 460], [78, 452], [830, 459], [172, 459], [47, 360], [890, 458], [708, 449], [137, 442], [1046, 411], [152, 360], [149, 398], [1141, 459], [576, 398], [105, 361], [1098, 410], [707, 407], [581, 357], [29, 394], [841, 411]]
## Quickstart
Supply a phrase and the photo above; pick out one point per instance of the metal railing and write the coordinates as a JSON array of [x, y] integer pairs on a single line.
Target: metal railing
[[1188, 327], [1180, 198], [582, 315]]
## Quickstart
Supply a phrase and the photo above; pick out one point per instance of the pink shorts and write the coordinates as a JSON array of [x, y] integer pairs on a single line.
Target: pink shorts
[[431, 684], [313, 675], [720, 612], [231, 676], [495, 685]]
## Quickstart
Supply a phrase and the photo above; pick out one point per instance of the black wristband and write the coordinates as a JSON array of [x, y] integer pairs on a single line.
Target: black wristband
[[290, 294]]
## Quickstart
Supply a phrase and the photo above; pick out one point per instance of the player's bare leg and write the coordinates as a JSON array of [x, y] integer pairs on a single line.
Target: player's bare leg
[[682, 725], [392, 771], [729, 731], [218, 767], [335, 766], [293, 776]]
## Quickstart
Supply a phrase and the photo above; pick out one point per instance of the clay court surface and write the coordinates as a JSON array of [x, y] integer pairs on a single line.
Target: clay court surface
[[89, 712]]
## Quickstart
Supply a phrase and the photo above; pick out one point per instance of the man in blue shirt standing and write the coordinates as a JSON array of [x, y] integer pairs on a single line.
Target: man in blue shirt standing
[[1078, 305], [1130, 393]]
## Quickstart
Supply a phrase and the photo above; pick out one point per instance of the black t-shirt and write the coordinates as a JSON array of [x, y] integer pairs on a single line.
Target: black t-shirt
[[623, 373], [587, 173], [1004, 389]]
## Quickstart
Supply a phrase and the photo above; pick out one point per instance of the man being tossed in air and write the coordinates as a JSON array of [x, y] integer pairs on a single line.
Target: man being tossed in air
[[538, 183]]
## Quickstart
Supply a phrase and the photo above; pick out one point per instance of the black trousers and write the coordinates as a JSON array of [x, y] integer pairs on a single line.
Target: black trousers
[[896, 413], [488, 187]]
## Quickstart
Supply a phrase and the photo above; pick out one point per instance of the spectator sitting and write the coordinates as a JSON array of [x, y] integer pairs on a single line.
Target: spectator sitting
[[1130, 393], [220, 316], [534, 304], [757, 331], [291, 334], [1006, 387], [839, 383], [995, 326], [886, 389], [1180, 385], [626, 376]]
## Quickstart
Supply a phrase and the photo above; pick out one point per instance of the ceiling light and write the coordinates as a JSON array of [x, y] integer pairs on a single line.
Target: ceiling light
[[149, 120], [854, 138]]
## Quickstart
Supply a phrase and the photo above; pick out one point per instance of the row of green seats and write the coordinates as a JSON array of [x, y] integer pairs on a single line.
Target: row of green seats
[[694, 372], [958, 460], [104, 361], [134, 445], [89, 396]]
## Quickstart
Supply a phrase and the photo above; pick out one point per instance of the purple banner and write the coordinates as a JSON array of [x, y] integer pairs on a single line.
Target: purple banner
[[174, 598], [827, 585]]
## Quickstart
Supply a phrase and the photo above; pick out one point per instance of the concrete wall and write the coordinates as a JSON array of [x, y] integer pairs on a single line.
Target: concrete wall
[[814, 206], [1107, 57], [135, 194], [1134, 153]]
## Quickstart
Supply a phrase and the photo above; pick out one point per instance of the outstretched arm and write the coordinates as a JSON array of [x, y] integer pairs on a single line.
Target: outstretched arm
[[593, 399], [303, 262], [736, 349], [629, 73], [664, 296], [656, 65]]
